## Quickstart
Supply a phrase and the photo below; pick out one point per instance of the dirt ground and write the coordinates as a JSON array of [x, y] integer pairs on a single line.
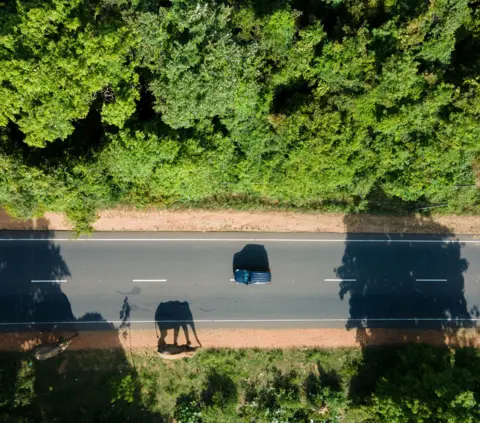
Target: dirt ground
[[230, 220], [249, 338]]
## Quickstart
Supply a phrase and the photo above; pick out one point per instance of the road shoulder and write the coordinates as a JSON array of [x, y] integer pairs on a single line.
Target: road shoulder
[[253, 338], [123, 219]]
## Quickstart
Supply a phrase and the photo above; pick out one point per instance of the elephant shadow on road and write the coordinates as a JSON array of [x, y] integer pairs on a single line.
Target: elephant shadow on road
[[173, 315]]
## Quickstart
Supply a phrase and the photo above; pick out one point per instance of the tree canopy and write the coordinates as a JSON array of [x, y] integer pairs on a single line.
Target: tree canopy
[[345, 104]]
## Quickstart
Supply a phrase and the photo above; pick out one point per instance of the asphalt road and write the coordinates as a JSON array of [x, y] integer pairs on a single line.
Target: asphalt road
[[318, 280]]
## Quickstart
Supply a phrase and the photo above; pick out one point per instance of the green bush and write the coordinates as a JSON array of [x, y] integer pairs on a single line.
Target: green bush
[[188, 409], [25, 385], [123, 389], [320, 105], [427, 384]]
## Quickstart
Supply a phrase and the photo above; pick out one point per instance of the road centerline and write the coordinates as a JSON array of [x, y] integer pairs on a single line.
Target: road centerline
[[149, 280], [431, 280], [340, 280]]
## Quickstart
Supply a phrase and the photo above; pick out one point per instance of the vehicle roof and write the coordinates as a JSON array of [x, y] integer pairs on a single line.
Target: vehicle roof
[[260, 276]]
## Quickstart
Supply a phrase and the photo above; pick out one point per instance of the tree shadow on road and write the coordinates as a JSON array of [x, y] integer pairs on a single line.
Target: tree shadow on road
[[403, 292], [96, 383], [404, 285], [28, 293], [67, 387]]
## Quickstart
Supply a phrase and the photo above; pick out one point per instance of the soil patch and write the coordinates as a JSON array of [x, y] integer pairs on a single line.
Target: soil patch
[[236, 221], [253, 338]]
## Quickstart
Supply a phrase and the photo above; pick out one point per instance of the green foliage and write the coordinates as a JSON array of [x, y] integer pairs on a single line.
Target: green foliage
[[282, 400], [124, 389], [53, 62], [188, 409], [416, 383], [438, 28], [427, 386], [131, 158], [324, 392], [18, 393], [200, 72], [220, 390], [318, 105], [24, 385]]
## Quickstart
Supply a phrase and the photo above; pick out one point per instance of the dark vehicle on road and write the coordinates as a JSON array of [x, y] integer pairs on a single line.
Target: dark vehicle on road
[[253, 277]]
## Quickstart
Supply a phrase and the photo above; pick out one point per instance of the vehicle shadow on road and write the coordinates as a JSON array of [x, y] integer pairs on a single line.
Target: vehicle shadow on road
[[251, 257], [400, 293], [173, 315]]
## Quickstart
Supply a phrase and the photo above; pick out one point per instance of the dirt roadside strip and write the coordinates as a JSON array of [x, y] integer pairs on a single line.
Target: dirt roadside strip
[[250, 338], [233, 221]]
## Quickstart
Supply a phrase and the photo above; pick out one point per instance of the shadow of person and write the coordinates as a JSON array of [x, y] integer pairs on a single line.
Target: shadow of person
[[174, 315], [251, 257], [125, 314], [401, 292]]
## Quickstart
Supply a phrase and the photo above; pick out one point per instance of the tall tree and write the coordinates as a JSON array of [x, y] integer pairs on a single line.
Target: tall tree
[[56, 58]]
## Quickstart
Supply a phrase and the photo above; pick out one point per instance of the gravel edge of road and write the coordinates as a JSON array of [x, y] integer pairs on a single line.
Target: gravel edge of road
[[252, 338], [239, 221]]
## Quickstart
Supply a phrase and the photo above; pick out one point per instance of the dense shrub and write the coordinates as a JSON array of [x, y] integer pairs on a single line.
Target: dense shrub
[[346, 104]]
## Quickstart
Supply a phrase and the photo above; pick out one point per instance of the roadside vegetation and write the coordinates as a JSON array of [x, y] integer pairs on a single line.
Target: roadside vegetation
[[339, 105], [416, 383]]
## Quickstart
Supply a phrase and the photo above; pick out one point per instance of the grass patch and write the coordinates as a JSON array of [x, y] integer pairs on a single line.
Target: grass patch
[[299, 385]]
